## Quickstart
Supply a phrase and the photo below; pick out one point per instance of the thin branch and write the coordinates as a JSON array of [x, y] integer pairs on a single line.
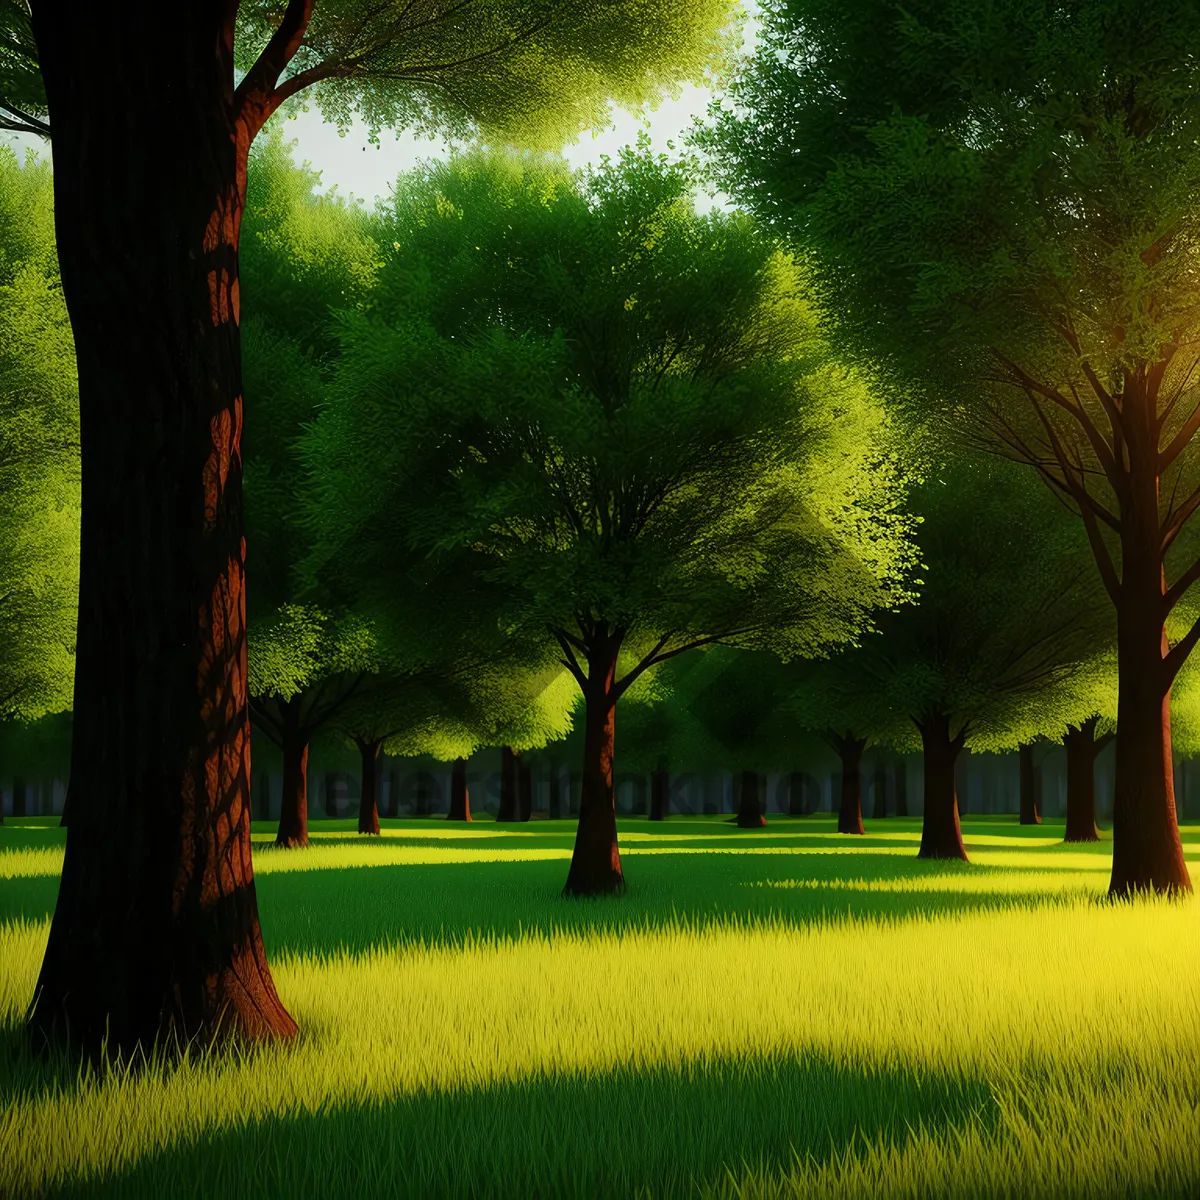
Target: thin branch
[[1176, 591], [24, 122], [568, 659], [1177, 444], [258, 87]]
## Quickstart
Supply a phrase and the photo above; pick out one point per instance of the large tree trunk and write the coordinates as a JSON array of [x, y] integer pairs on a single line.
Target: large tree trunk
[[18, 801], [941, 835], [660, 791], [156, 930], [1082, 747], [293, 800], [1147, 854], [368, 803], [750, 814], [850, 750], [510, 783], [596, 861], [460, 798], [1028, 786]]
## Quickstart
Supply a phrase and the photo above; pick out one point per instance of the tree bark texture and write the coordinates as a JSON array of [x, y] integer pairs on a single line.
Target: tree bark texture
[[941, 834], [460, 798], [660, 792], [368, 801], [750, 813], [156, 931], [596, 862], [1028, 786], [850, 750], [510, 784]]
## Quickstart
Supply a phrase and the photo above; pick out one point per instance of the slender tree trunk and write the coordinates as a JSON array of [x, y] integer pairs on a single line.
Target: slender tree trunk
[[156, 930], [460, 798], [660, 791], [879, 811], [368, 803], [1028, 786], [554, 801], [293, 800], [750, 814], [596, 861], [509, 784], [901, 787], [850, 750], [1080, 744], [941, 835], [524, 788], [18, 803]]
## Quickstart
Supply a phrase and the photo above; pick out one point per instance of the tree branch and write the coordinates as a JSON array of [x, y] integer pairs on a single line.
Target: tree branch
[[1176, 591]]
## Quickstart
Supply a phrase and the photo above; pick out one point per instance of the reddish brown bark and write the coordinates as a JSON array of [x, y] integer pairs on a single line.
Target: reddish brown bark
[[460, 797], [596, 861], [1028, 786], [510, 784], [660, 791], [750, 814], [941, 834], [368, 803], [293, 799], [850, 750], [156, 930]]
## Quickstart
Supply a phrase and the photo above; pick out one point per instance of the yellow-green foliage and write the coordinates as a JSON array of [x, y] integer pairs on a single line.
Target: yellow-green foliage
[[768, 1015]]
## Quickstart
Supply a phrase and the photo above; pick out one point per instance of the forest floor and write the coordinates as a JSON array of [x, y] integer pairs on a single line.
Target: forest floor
[[784, 1012]]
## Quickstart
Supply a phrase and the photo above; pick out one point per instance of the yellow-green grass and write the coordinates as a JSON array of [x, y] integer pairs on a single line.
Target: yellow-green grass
[[764, 1013]]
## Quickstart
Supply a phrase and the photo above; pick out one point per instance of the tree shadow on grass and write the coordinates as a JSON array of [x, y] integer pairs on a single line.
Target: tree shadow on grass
[[624, 1133], [356, 909]]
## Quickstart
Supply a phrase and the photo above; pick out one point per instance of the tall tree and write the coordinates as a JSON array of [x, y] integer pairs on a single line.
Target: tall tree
[[39, 454], [22, 92], [1002, 201], [159, 932], [640, 433]]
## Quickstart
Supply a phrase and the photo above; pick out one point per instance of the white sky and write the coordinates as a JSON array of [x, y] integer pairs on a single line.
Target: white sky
[[367, 171]]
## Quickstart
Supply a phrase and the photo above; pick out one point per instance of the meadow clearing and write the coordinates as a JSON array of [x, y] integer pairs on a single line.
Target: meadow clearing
[[777, 1013]]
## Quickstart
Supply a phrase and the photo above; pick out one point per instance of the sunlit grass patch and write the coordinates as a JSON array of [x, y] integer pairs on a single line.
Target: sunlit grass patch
[[775, 1024]]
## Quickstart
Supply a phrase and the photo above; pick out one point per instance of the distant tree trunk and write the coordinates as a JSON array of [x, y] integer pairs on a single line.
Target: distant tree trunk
[[795, 794], [329, 789], [18, 804], [941, 834], [66, 805], [879, 810], [368, 804], [264, 796], [660, 791], [750, 814], [393, 804], [1082, 747], [509, 784], [554, 788], [1028, 786], [460, 798], [524, 788], [156, 929], [901, 787], [596, 860], [850, 750], [293, 802]]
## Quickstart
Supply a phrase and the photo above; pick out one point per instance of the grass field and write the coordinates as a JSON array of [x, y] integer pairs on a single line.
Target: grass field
[[776, 1013]]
